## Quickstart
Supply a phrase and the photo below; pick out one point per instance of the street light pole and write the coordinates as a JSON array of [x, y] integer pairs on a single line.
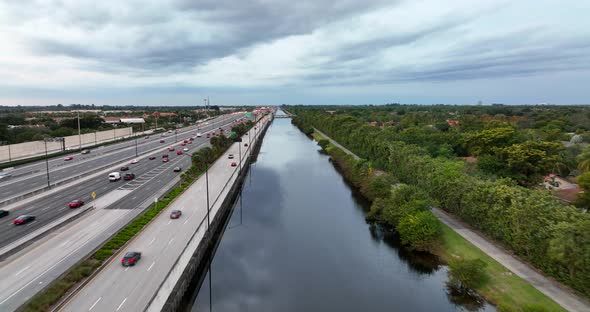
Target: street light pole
[[79, 135], [46, 162], [135, 146], [207, 187]]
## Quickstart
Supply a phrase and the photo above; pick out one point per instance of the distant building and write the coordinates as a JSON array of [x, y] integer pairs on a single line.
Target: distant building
[[453, 123], [111, 120], [132, 120]]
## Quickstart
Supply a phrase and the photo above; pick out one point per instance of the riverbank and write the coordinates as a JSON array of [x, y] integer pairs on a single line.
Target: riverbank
[[503, 288]]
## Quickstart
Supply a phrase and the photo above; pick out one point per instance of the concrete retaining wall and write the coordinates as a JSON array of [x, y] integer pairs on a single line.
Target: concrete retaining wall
[[37, 148]]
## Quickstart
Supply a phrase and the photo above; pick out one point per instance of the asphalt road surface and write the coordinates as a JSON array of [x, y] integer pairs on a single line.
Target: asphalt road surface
[[117, 288], [26, 273], [55, 205], [34, 176]]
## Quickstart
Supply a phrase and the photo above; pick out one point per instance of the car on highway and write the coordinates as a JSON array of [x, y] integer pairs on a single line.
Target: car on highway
[[85, 151], [185, 141], [177, 169], [245, 144], [175, 214], [5, 175], [4, 213], [114, 176], [131, 258], [179, 152], [162, 141], [165, 160], [76, 203], [233, 164], [165, 156], [208, 135], [135, 161], [124, 168], [24, 219], [199, 134], [146, 137], [171, 148], [182, 144], [191, 139], [68, 158], [185, 149], [230, 156], [152, 157], [129, 176]]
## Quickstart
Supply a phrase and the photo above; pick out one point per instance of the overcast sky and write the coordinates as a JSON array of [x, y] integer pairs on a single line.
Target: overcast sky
[[166, 52]]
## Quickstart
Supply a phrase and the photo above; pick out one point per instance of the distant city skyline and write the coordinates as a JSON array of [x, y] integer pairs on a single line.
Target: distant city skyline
[[307, 52]]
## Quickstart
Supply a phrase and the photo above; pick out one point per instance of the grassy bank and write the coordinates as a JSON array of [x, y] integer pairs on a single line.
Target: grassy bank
[[502, 288]]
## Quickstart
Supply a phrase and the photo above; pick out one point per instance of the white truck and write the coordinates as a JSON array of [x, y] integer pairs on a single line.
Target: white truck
[[114, 176]]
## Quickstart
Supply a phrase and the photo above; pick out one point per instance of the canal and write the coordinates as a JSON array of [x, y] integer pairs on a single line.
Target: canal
[[297, 240]]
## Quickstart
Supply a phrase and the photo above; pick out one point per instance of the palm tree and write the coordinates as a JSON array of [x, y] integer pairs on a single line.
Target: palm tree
[[584, 160]]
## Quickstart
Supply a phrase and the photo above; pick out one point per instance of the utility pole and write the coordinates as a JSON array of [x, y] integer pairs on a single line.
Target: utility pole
[[46, 162], [79, 135]]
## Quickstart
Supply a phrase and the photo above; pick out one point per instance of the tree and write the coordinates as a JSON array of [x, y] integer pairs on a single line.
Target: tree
[[570, 244], [485, 141], [531, 157], [323, 143], [467, 273], [583, 199], [419, 230]]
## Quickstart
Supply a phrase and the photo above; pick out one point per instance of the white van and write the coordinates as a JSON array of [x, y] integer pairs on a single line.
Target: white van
[[114, 176], [199, 134]]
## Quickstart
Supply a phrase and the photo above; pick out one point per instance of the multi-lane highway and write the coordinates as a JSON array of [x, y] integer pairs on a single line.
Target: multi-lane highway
[[29, 271], [54, 205], [117, 288], [34, 176]]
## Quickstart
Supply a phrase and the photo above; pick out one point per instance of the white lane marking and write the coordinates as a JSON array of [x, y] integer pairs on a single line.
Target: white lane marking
[[185, 221], [153, 239], [169, 221], [171, 240], [127, 268], [19, 272], [151, 266], [97, 300], [134, 197], [122, 304]]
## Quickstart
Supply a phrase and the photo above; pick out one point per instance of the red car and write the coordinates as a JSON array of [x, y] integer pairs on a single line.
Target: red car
[[178, 152], [191, 139], [175, 214], [182, 144], [233, 164], [165, 156], [68, 158], [23, 219], [129, 176], [185, 141], [170, 148], [208, 135], [76, 203]]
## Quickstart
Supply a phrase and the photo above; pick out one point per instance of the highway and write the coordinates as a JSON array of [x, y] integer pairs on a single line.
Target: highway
[[29, 271], [117, 288], [55, 205], [34, 176]]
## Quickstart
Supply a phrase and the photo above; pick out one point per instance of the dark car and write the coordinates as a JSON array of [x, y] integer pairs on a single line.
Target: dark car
[[175, 214], [4, 213], [177, 169], [162, 141], [76, 203], [152, 157], [131, 258], [245, 144], [129, 176], [124, 168], [230, 156], [23, 219]]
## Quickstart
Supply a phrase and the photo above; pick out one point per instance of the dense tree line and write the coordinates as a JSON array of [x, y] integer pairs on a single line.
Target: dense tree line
[[553, 237]]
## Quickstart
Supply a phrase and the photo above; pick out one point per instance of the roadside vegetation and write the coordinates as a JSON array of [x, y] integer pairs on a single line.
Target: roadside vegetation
[[403, 180], [52, 294]]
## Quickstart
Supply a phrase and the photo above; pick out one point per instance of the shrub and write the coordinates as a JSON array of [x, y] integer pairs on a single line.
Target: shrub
[[323, 143], [420, 230], [467, 273]]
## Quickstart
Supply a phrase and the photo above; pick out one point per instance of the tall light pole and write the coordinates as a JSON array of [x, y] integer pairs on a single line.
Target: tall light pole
[[207, 188], [79, 135], [135, 146], [46, 161]]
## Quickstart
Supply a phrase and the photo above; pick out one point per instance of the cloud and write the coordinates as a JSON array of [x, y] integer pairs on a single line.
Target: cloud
[[238, 46]]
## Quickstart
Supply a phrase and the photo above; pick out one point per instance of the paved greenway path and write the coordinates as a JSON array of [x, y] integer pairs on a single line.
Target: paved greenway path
[[549, 287]]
